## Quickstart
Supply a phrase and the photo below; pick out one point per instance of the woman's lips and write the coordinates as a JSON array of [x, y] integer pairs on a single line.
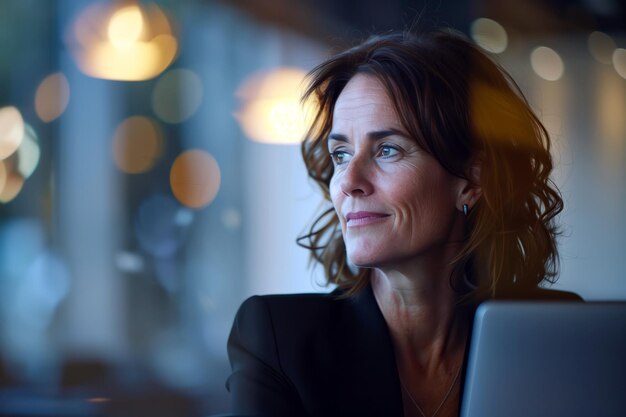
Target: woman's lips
[[363, 218]]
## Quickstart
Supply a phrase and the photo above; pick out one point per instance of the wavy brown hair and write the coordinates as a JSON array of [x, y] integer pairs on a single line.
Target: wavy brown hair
[[466, 111]]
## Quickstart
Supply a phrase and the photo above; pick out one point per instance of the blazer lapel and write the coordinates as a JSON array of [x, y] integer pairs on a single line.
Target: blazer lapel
[[368, 377]]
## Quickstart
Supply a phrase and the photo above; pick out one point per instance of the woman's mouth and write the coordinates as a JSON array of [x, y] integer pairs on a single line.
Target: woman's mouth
[[364, 218]]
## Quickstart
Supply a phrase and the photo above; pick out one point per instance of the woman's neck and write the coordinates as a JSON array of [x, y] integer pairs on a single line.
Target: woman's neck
[[427, 328]]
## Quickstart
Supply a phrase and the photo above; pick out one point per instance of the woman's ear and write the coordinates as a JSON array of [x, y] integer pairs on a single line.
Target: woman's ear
[[471, 191]]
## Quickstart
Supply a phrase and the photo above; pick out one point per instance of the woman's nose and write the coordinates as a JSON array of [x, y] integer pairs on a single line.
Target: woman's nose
[[356, 177]]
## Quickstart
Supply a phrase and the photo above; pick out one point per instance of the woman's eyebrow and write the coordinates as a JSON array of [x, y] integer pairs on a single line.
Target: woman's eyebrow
[[338, 137], [381, 134], [375, 135]]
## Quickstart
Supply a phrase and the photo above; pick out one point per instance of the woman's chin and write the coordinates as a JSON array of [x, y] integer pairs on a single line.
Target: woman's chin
[[363, 261]]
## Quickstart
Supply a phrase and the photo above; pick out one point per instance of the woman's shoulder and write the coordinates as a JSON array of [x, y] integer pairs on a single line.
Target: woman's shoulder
[[541, 294], [287, 299], [296, 352], [293, 307], [282, 329]]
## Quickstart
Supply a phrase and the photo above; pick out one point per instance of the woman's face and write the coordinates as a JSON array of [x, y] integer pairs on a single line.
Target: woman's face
[[395, 202]]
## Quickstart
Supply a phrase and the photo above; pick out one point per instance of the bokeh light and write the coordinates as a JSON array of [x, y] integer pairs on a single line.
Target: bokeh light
[[98, 400], [20, 165], [125, 42], [12, 186], [28, 153], [137, 144], [177, 95], [619, 61], [489, 35], [547, 63], [609, 107], [11, 130], [52, 97], [271, 111], [601, 47], [126, 26], [3, 174], [129, 262], [195, 178]]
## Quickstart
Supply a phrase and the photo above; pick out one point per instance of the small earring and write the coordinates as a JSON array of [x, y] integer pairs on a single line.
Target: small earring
[[465, 209]]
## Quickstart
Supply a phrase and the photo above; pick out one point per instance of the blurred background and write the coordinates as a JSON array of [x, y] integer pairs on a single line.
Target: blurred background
[[151, 180]]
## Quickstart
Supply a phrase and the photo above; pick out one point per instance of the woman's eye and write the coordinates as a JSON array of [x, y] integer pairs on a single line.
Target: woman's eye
[[339, 157], [388, 151]]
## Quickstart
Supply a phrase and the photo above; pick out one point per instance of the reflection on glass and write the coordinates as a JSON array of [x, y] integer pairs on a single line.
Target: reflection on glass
[[159, 232], [122, 42], [271, 111], [11, 130], [489, 35], [176, 362], [35, 281], [547, 63], [231, 218], [195, 178], [52, 97], [49, 282], [129, 262], [177, 95], [137, 144]]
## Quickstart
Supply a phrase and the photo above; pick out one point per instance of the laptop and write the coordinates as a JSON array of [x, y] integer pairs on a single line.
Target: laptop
[[547, 359]]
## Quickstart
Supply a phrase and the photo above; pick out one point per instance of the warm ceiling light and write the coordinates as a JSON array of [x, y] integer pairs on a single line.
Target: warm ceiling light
[[122, 42], [271, 110], [125, 26]]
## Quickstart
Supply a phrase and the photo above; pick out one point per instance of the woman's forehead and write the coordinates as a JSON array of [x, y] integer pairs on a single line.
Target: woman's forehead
[[363, 87], [363, 99]]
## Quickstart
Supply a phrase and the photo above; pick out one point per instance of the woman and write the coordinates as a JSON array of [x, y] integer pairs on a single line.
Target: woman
[[438, 175]]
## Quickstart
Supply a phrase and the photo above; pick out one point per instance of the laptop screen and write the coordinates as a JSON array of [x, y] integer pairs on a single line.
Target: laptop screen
[[547, 359]]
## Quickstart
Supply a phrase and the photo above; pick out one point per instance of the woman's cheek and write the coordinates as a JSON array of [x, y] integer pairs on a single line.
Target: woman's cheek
[[335, 192]]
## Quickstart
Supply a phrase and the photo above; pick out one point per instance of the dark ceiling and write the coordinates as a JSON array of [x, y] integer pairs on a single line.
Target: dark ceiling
[[330, 20]]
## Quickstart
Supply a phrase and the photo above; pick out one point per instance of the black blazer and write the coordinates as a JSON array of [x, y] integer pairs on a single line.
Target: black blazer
[[316, 355]]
